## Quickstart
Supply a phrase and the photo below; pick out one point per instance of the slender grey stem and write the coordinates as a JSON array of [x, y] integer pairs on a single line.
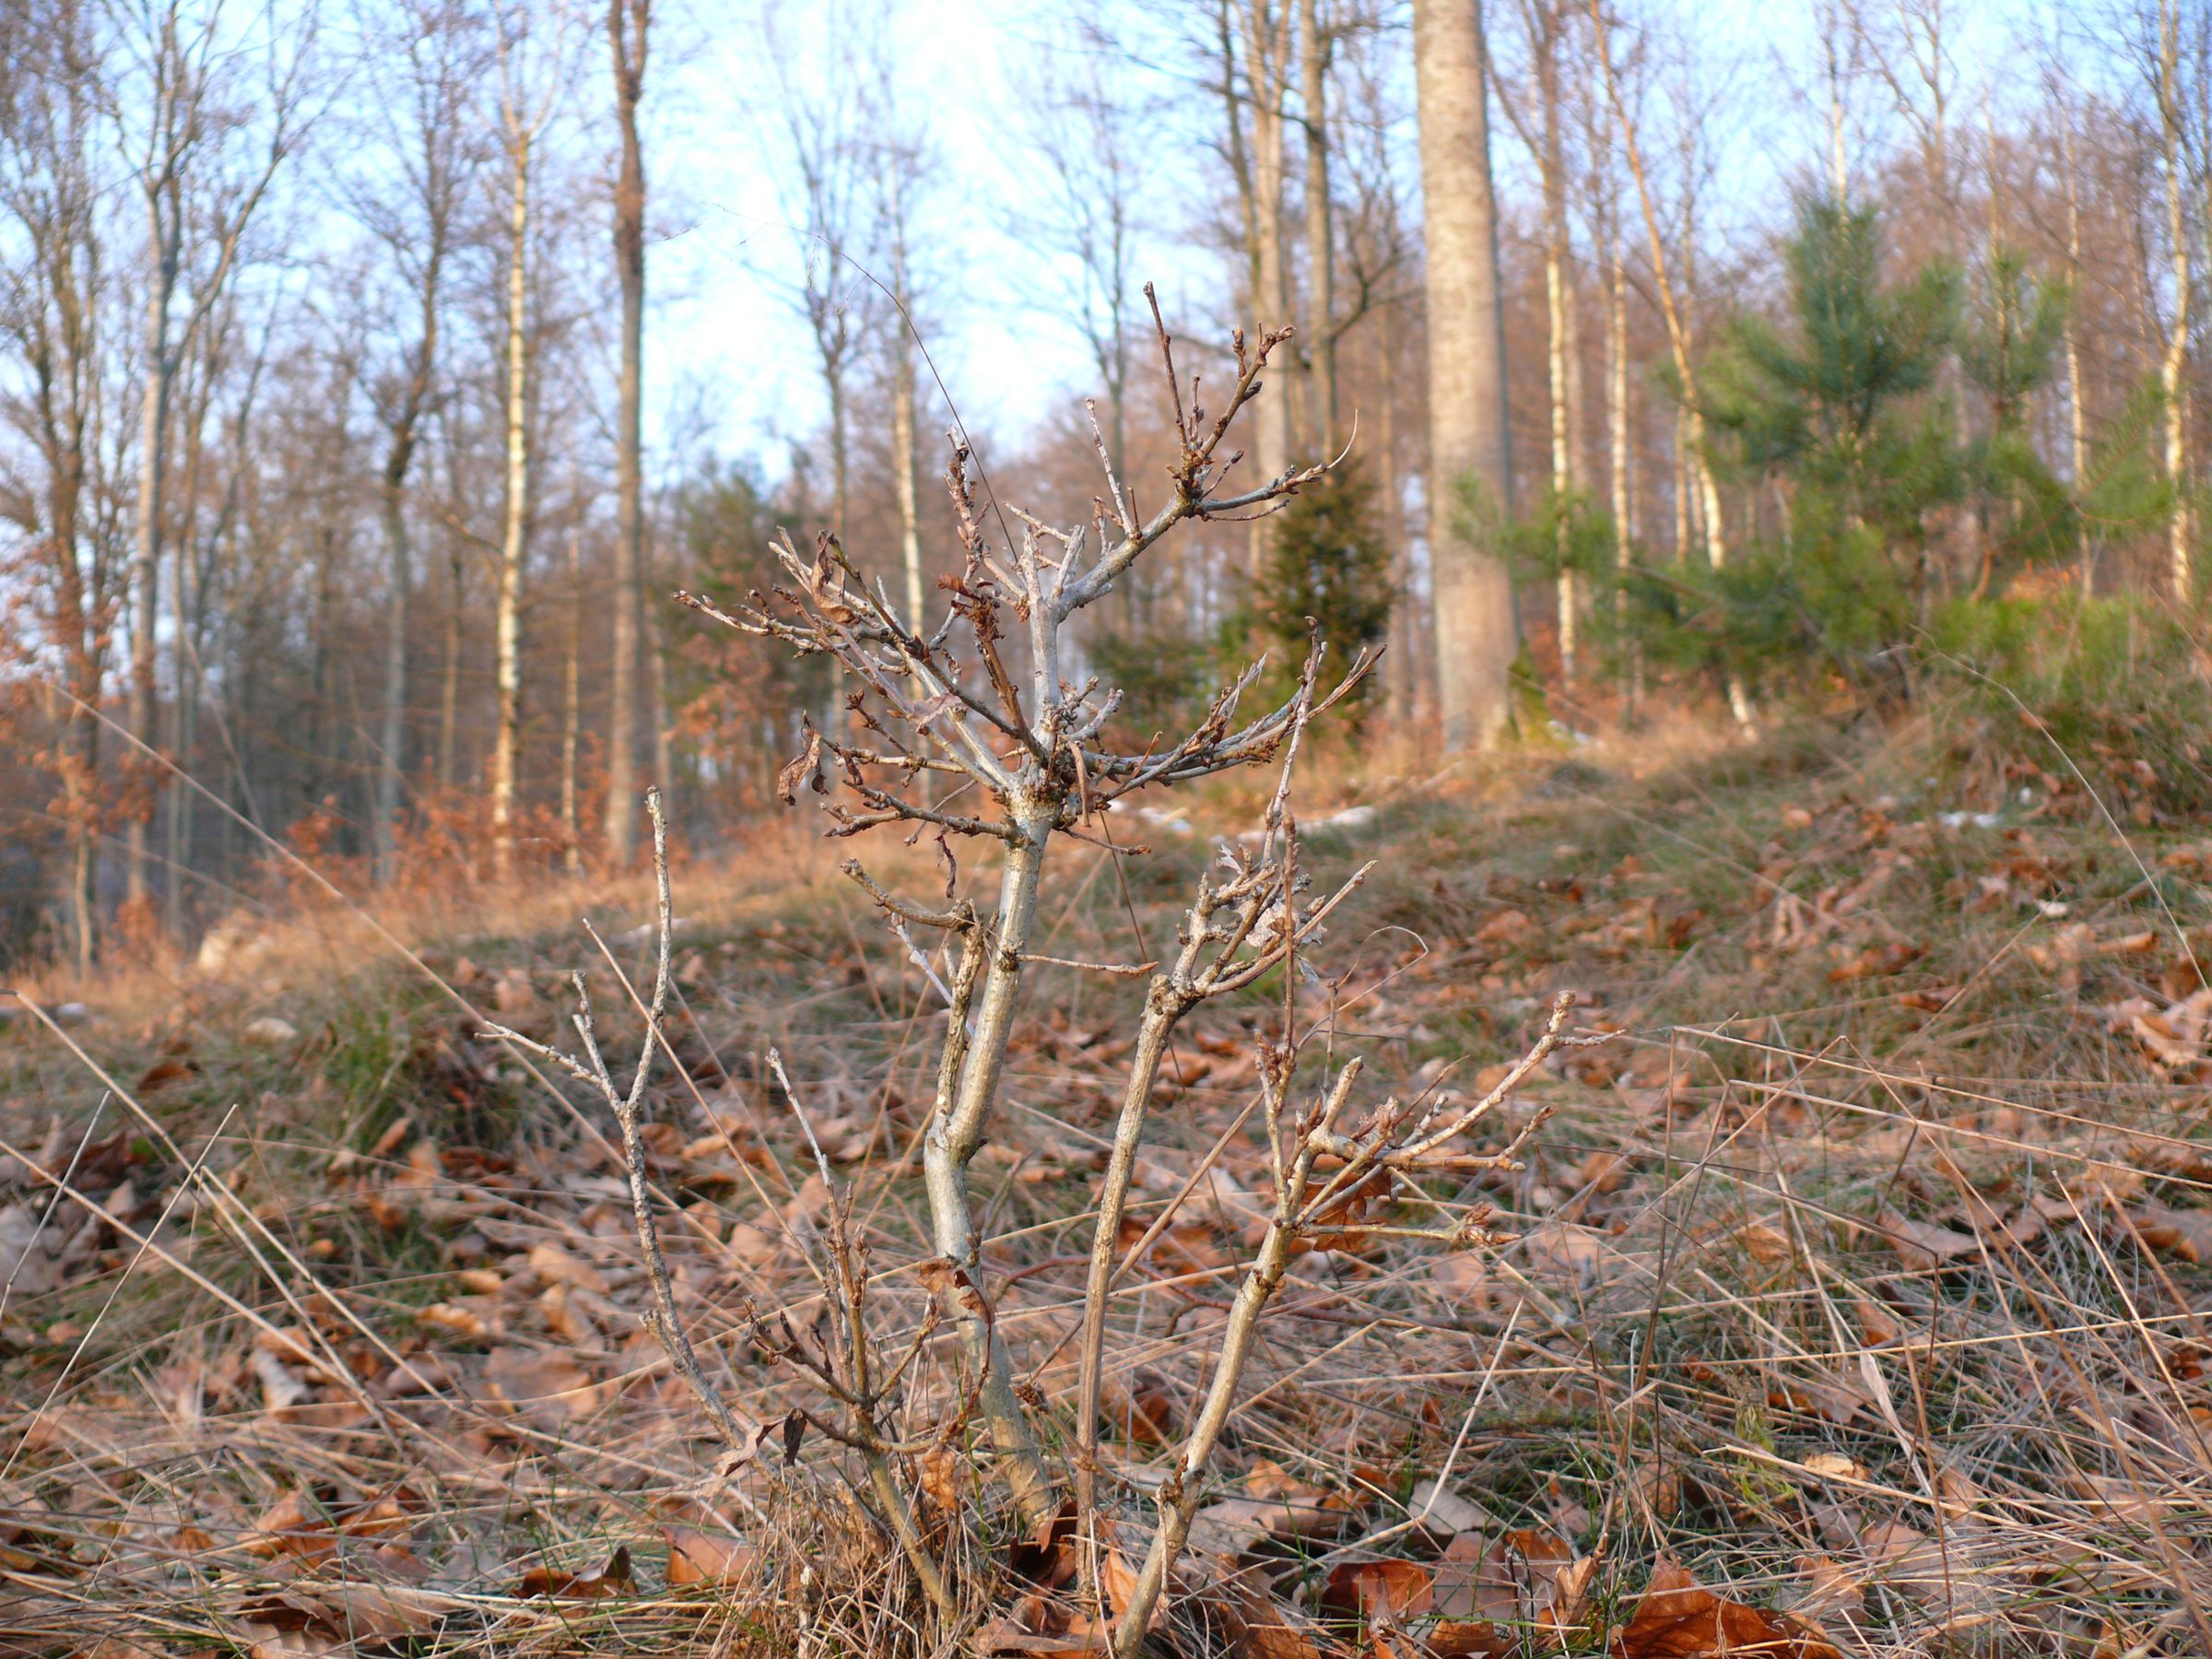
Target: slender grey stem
[[955, 1132]]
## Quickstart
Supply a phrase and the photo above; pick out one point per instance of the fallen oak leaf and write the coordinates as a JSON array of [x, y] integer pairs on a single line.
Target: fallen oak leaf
[[1924, 1244], [697, 1558], [615, 1579], [1679, 1618], [1470, 1639], [1389, 1588], [2184, 1233], [1002, 1635]]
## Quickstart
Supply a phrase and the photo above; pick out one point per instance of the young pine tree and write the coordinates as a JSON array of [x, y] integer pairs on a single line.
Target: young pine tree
[[1327, 561], [1834, 402]]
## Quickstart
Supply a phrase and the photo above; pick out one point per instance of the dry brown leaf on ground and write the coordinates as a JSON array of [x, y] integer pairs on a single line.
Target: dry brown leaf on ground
[[1834, 1466], [2184, 1233], [1294, 1508], [1145, 1406], [456, 1320], [1924, 1244], [40, 1251], [1765, 1244], [549, 1388], [557, 1266], [1389, 1589], [698, 1558], [615, 1579], [1234, 1526], [1457, 1588], [1272, 1630], [1830, 1587], [1565, 1248], [1827, 1395], [1679, 1618], [1007, 1636], [1948, 1576], [1444, 1514], [1118, 1579], [1470, 1639]]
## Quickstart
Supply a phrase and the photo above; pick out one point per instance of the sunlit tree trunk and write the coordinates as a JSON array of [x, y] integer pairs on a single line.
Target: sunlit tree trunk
[[902, 400], [626, 22], [1468, 436], [507, 626], [1267, 36], [572, 709], [2077, 422], [1314, 46], [157, 371], [1621, 483], [448, 693], [1561, 353], [2173, 367]]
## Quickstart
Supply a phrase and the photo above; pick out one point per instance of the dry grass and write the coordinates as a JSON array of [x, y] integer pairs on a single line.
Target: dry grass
[[1859, 1276]]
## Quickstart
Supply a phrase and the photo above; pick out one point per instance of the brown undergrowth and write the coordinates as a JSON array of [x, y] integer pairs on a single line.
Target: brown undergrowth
[[1850, 1299]]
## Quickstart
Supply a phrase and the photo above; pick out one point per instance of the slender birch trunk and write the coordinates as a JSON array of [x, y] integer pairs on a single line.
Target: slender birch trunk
[[2173, 367], [506, 763], [571, 709], [626, 23], [902, 404], [1560, 344], [146, 560], [2078, 425], [1620, 482]]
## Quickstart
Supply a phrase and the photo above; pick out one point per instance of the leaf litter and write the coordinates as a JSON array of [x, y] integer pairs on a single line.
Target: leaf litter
[[1776, 1362]]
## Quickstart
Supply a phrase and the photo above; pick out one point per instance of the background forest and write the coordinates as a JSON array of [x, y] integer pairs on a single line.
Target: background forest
[[375, 372]]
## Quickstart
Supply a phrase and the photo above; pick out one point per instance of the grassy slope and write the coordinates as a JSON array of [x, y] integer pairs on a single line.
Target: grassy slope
[[1858, 1275]]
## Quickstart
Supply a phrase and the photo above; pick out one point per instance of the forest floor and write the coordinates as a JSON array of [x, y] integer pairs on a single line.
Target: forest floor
[[1854, 1298]]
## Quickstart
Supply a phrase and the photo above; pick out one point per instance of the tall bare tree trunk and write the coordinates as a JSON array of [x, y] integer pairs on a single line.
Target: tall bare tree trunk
[[902, 399], [448, 692], [2173, 367], [2078, 421], [1839, 169], [392, 731], [571, 709], [626, 23], [1468, 436], [146, 560], [506, 762], [399, 458], [1402, 669], [1267, 70], [656, 683], [1684, 528], [1561, 354], [183, 692], [1314, 47], [1622, 489]]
